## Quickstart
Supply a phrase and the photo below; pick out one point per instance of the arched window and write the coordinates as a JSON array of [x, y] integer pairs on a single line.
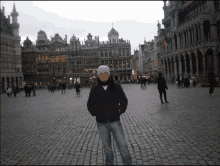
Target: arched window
[[206, 27], [197, 34], [218, 30], [216, 4], [190, 34], [175, 39]]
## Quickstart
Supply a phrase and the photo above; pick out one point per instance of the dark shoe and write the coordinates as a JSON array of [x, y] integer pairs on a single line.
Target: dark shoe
[[162, 102], [167, 102]]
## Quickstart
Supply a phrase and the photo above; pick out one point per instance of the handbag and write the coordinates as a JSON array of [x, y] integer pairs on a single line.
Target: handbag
[[191, 81], [177, 82]]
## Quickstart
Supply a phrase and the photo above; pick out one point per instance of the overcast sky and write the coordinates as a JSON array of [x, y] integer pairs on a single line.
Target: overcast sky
[[134, 20]]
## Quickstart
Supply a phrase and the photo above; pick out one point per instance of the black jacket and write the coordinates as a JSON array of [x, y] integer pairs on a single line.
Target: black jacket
[[105, 104], [161, 83], [77, 87], [211, 77]]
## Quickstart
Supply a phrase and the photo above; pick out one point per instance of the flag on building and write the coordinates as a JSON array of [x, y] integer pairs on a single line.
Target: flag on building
[[165, 42]]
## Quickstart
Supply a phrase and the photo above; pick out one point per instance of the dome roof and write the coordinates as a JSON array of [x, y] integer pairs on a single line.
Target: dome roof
[[113, 32]]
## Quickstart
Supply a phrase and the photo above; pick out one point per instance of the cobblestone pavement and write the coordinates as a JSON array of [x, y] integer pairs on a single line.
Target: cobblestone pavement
[[57, 129]]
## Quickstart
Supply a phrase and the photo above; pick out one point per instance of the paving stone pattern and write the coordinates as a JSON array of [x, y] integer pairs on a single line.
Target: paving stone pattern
[[57, 129]]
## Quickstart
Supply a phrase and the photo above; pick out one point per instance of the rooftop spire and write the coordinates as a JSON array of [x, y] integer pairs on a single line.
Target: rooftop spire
[[14, 12]]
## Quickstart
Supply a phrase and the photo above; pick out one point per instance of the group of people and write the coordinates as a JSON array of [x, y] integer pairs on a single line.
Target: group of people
[[28, 88], [13, 89], [185, 80]]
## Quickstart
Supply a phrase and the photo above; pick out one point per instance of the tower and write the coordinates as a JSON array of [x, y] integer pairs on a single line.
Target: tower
[[113, 36], [15, 25], [158, 28]]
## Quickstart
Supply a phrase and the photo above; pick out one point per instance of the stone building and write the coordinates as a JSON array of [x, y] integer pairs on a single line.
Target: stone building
[[11, 71], [56, 61], [28, 57], [47, 60], [193, 31], [151, 60], [116, 53]]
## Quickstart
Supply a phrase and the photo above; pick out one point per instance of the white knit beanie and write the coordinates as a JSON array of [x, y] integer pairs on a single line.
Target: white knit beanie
[[102, 69]]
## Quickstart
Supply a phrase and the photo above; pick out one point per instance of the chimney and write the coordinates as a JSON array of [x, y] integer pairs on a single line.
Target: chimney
[[3, 10], [8, 19], [66, 38]]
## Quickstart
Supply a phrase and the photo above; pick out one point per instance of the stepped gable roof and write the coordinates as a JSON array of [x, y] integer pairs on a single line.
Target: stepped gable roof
[[73, 38], [27, 41], [113, 32], [5, 27]]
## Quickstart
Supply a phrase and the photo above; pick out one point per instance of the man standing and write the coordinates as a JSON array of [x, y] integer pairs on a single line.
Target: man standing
[[14, 90], [29, 90], [212, 81], [77, 88], [26, 90], [34, 90], [103, 102], [161, 86]]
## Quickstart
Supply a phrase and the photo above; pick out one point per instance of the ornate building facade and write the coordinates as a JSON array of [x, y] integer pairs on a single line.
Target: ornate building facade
[[193, 30], [11, 67], [150, 60], [56, 61]]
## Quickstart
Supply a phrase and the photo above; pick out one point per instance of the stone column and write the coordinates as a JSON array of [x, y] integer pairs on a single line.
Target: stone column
[[10, 81], [204, 67], [118, 64], [185, 65], [175, 69], [194, 35], [183, 40], [199, 33], [127, 77], [123, 77], [191, 69], [202, 33], [188, 37], [178, 41], [197, 65], [180, 65]]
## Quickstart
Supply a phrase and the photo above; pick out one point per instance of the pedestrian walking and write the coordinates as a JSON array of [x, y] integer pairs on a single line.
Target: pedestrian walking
[[103, 102], [26, 90], [212, 81], [77, 88], [10, 91], [34, 90], [161, 86], [145, 82], [14, 90], [29, 90], [181, 81], [7, 91], [194, 81]]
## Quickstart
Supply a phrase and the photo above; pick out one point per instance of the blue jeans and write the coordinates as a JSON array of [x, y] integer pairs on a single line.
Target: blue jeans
[[105, 130]]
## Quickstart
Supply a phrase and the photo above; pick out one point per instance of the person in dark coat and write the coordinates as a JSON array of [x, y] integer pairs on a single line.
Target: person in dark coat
[[107, 101], [161, 86], [29, 90], [26, 90], [63, 87], [77, 88], [14, 90], [34, 90], [144, 82], [212, 81]]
